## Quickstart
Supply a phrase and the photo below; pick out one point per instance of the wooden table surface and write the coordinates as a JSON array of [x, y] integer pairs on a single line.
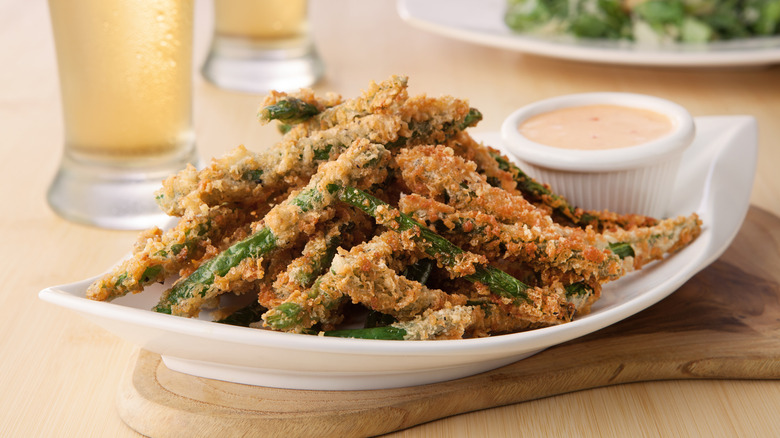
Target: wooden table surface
[[59, 373]]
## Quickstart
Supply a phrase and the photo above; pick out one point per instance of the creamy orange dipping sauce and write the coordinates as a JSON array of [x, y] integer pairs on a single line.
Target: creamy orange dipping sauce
[[595, 127]]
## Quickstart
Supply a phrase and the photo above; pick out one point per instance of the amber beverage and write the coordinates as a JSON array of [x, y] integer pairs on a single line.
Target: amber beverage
[[266, 22], [262, 45], [125, 72]]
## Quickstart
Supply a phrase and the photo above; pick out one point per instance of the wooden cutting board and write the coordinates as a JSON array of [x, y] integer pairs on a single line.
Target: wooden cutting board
[[722, 324]]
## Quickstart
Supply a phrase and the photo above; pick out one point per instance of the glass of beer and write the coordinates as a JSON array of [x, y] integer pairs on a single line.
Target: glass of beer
[[125, 70], [262, 45]]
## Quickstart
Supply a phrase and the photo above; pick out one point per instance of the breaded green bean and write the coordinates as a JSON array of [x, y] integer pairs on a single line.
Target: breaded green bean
[[296, 107], [363, 164], [446, 323], [500, 171], [236, 176], [653, 243], [162, 254], [492, 220], [242, 176], [482, 233], [347, 228], [380, 98]]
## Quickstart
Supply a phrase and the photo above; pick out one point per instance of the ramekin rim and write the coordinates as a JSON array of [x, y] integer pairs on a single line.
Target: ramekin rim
[[663, 148]]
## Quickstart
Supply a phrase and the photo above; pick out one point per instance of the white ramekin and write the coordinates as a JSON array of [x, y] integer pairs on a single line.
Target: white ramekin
[[637, 179]]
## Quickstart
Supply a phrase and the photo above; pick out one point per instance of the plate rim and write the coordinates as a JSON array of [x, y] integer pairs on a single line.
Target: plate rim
[[724, 54], [513, 344]]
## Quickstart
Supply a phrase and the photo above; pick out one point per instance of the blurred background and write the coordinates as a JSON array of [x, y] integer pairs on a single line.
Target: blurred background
[[358, 42]]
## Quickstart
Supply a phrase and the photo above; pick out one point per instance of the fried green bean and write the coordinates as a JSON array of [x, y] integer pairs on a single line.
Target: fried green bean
[[500, 171], [289, 110], [381, 288], [243, 175], [363, 164], [540, 304], [482, 233], [303, 309], [381, 98], [297, 107], [246, 177], [491, 220], [476, 318], [446, 323], [649, 244], [347, 228], [457, 261], [502, 224], [245, 316], [159, 254]]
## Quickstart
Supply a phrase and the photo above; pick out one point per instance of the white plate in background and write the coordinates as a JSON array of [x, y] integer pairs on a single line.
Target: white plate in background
[[482, 22], [715, 180]]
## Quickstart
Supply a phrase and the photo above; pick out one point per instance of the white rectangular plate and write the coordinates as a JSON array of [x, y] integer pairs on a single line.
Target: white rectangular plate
[[715, 181]]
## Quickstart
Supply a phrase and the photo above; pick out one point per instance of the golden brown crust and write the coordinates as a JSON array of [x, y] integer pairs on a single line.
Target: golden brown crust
[[411, 153]]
